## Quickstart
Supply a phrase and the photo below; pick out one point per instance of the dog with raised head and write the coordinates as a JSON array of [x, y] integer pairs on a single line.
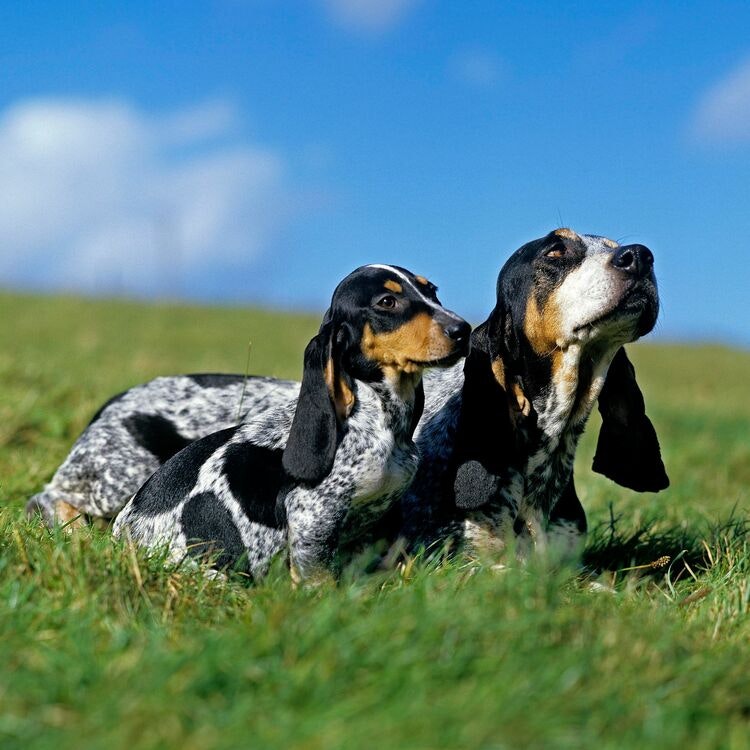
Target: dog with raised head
[[316, 471], [500, 430]]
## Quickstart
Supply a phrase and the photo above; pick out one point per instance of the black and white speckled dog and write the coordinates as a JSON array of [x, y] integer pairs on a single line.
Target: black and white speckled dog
[[315, 472], [566, 303], [499, 432], [137, 431]]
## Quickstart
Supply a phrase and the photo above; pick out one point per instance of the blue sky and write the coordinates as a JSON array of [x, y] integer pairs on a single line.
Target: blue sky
[[258, 150]]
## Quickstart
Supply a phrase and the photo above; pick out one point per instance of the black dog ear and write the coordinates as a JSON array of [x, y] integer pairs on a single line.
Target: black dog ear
[[485, 433], [628, 450], [325, 399]]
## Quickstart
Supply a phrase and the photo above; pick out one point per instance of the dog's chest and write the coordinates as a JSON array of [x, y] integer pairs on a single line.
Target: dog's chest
[[379, 474], [528, 495], [376, 459], [379, 481], [536, 485], [561, 418]]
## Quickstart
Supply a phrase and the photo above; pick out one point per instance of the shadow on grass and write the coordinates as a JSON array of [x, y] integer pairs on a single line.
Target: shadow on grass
[[652, 549]]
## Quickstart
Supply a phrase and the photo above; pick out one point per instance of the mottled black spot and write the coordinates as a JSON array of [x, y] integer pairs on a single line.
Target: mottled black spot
[[255, 477], [212, 533], [106, 404], [174, 481], [156, 434], [216, 379]]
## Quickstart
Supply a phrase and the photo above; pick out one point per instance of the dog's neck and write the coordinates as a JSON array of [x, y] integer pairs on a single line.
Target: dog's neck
[[549, 397], [397, 396], [564, 402]]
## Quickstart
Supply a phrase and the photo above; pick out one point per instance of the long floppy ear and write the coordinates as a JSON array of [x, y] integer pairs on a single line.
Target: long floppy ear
[[325, 399], [628, 450], [485, 433]]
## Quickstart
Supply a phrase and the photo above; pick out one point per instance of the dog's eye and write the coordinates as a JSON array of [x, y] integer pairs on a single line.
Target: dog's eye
[[388, 302], [557, 251]]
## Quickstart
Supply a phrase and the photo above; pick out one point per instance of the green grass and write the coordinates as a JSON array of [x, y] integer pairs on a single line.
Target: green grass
[[102, 647]]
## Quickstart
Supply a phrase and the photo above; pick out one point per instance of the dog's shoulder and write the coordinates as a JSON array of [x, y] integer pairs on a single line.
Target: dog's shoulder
[[255, 476]]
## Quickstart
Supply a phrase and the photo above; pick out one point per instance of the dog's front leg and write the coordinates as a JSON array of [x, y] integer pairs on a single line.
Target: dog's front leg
[[314, 528]]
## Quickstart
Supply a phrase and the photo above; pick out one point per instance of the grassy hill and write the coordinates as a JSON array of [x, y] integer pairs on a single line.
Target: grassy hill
[[102, 647]]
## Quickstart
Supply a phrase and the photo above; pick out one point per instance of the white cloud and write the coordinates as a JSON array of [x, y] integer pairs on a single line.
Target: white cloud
[[100, 196], [723, 112], [478, 68], [209, 120], [373, 16]]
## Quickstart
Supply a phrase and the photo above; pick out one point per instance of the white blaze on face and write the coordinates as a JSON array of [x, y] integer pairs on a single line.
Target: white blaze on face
[[410, 283], [590, 291]]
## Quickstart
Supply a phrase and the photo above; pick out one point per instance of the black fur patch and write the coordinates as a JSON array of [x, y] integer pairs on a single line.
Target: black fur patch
[[165, 488], [156, 434], [217, 379], [255, 477], [211, 532]]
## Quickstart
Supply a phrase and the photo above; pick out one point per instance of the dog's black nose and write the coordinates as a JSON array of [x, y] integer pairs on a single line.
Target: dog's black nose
[[635, 259], [458, 330]]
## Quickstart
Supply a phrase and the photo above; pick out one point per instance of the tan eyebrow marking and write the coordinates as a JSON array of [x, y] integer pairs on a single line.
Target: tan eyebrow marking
[[609, 243], [409, 281], [393, 286], [568, 234], [422, 280]]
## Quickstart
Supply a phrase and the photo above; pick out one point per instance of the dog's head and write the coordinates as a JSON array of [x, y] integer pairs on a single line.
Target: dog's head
[[566, 289], [394, 324], [564, 293], [384, 323]]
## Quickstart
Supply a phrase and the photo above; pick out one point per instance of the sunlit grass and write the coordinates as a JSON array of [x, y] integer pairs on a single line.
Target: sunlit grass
[[105, 647]]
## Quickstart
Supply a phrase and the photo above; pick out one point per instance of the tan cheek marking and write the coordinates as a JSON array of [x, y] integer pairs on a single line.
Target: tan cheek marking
[[568, 234], [422, 280], [418, 340], [393, 286], [542, 327], [609, 243]]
